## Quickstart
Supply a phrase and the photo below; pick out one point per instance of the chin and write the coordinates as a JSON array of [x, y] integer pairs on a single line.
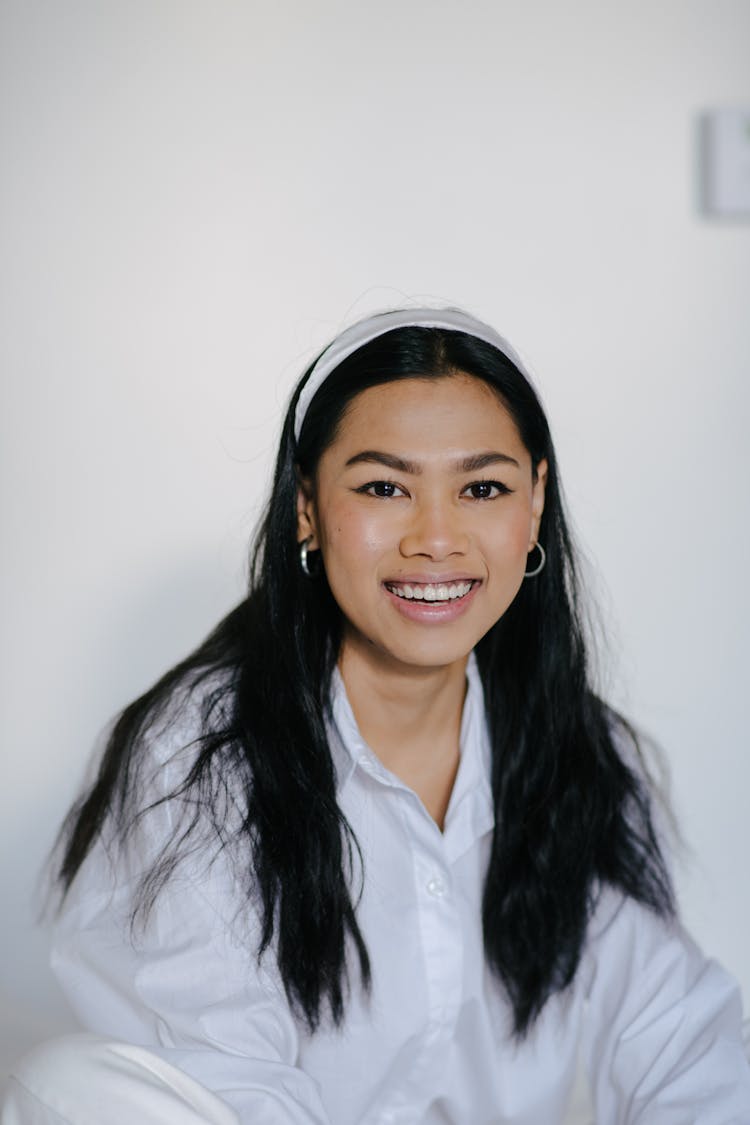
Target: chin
[[428, 655]]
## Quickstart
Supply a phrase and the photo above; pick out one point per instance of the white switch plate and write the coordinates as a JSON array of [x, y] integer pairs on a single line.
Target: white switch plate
[[726, 153]]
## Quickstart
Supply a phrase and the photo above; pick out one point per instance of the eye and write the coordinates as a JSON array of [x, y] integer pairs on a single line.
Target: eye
[[486, 489], [384, 489]]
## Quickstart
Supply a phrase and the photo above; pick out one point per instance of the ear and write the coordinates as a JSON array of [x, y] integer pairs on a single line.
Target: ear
[[307, 522], [537, 501]]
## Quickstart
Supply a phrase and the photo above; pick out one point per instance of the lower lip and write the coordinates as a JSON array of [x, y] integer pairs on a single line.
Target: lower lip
[[432, 613]]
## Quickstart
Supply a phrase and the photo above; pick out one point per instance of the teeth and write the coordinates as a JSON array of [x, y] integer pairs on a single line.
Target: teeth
[[430, 592]]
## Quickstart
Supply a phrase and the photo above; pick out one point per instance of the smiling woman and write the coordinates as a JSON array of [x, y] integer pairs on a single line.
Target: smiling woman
[[376, 851], [421, 563], [397, 548]]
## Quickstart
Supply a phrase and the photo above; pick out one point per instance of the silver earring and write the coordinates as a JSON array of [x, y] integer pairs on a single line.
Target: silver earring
[[303, 547], [542, 560]]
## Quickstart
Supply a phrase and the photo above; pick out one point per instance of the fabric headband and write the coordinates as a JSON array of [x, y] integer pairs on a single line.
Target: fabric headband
[[361, 333]]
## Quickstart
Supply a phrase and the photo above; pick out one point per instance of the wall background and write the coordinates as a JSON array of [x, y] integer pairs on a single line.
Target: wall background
[[196, 196]]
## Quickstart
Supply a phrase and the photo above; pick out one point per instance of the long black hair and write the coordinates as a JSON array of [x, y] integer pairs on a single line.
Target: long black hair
[[572, 810]]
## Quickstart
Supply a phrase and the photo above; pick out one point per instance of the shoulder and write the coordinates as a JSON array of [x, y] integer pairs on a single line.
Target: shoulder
[[164, 756], [152, 746], [199, 705]]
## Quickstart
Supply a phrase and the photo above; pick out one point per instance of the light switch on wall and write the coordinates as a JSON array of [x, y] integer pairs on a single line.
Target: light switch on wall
[[726, 157]]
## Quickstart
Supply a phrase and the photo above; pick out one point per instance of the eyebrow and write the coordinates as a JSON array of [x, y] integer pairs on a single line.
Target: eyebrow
[[468, 464]]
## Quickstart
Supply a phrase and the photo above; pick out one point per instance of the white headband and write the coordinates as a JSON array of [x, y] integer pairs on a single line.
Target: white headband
[[359, 334]]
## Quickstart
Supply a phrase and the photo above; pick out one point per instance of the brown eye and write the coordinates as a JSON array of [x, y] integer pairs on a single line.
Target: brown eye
[[384, 489], [486, 489]]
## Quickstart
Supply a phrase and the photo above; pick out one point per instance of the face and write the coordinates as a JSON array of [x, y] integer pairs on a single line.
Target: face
[[424, 509]]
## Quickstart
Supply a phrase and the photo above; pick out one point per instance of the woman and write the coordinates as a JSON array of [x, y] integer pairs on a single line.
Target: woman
[[376, 852]]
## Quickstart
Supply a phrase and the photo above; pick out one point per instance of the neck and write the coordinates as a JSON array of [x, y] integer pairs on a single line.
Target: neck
[[410, 718]]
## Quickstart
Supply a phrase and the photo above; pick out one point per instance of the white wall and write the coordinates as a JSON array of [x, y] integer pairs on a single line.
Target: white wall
[[197, 195]]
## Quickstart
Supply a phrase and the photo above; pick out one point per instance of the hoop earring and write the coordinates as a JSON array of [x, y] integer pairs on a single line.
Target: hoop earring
[[303, 548], [542, 560]]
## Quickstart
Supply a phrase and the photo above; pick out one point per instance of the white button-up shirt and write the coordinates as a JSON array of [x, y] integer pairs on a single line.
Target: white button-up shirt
[[656, 1024]]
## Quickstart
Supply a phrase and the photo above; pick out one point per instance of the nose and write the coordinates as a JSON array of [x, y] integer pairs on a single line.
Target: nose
[[435, 532]]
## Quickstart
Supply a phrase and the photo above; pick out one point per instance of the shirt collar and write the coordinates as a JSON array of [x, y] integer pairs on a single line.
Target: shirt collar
[[350, 751]]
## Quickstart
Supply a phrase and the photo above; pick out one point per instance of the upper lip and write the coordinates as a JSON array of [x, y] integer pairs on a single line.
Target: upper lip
[[430, 579]]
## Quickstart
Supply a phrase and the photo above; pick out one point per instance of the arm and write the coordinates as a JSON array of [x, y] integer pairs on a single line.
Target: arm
[[663, 1041], [187, 985]]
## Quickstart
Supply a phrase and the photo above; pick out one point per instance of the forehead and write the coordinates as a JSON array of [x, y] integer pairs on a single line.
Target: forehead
[[428, 416]]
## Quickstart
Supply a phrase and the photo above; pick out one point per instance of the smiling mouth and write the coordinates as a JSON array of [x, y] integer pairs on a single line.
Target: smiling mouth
[[441, 592]]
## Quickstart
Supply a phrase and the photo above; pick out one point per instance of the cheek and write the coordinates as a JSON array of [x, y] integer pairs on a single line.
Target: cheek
[[510, 541], [521, 535], [351, 533]]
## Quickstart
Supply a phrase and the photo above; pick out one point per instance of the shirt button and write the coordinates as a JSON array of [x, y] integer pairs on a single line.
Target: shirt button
[[436, 887]]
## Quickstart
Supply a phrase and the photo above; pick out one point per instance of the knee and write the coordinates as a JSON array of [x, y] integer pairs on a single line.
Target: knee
[[67, 1081], [44, 1087], [59, 1062]]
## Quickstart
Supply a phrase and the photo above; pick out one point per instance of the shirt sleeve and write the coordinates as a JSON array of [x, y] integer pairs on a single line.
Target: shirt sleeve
[[663, 1039], [187, 984]]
